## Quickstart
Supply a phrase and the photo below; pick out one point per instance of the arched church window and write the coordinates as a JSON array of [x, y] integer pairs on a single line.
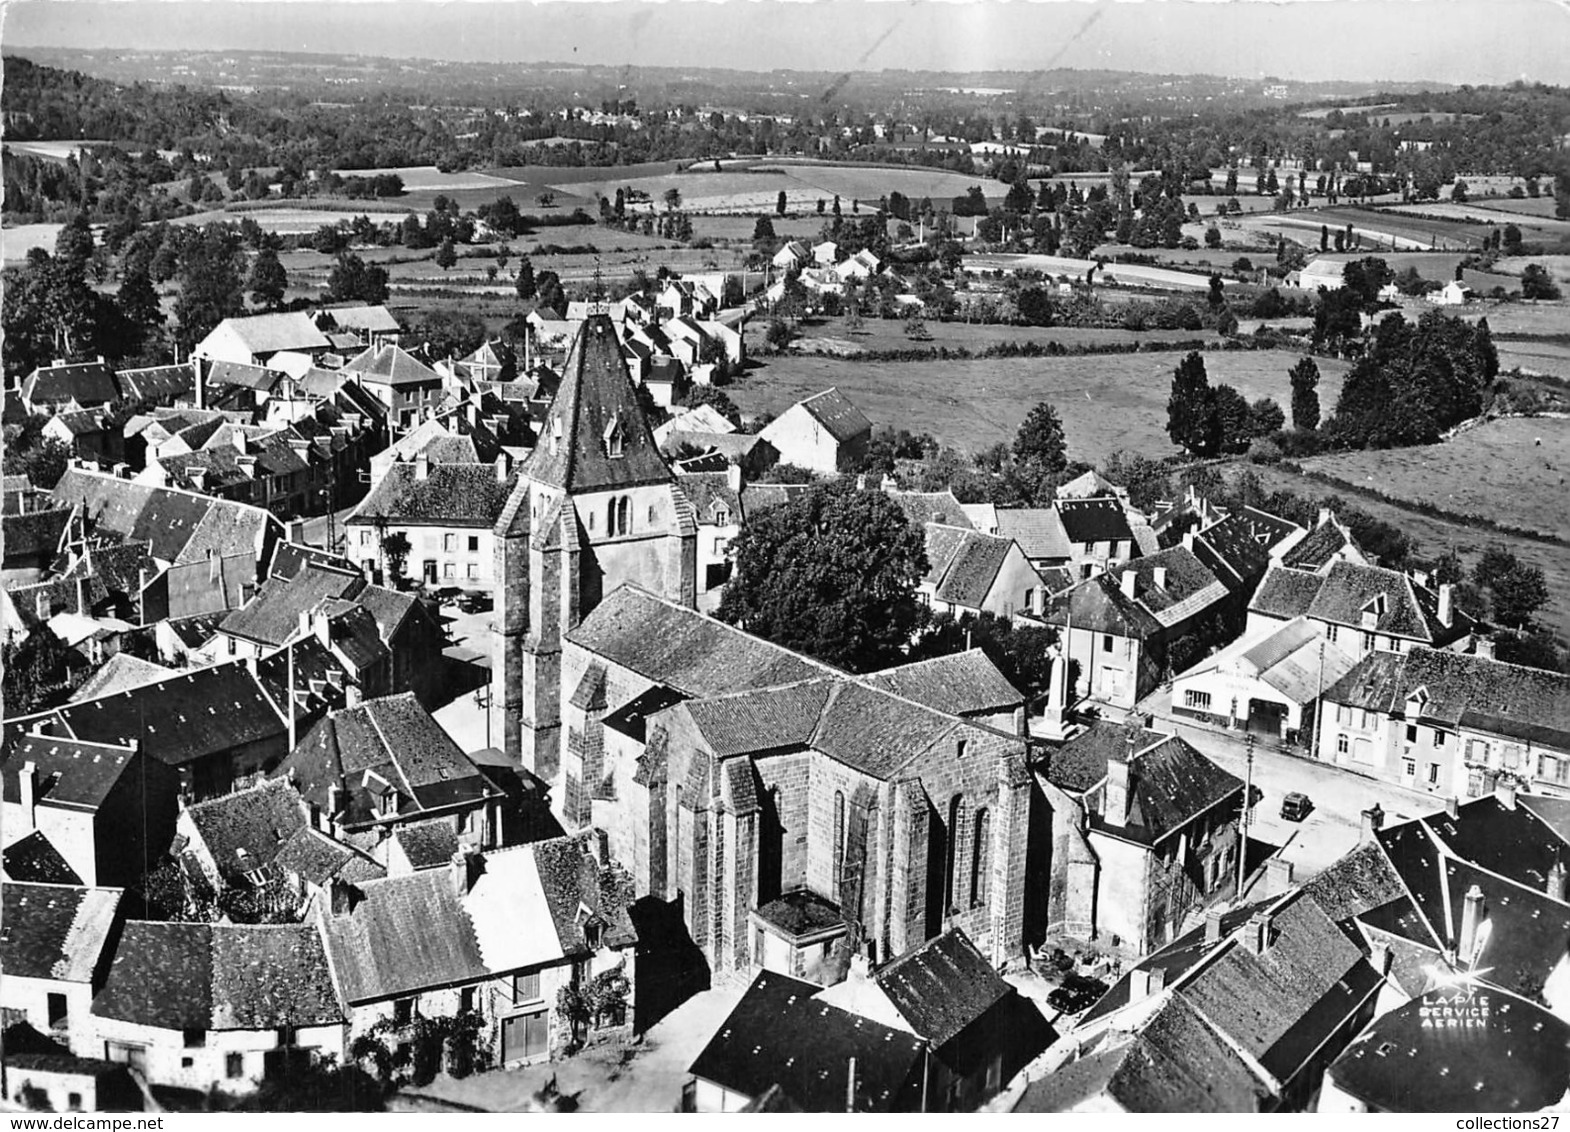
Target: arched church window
[[623, 515]]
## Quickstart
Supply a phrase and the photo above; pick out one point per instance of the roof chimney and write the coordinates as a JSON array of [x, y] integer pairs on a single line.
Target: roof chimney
[[1505, 793], [344, 896], [1213, 925], [42, 605], [214, 570], [81, 597], [1188, 540], [422, 467], [1483, 647], [501, 467], [27, 789], [1558, 880], [1471, 920], [1159, 577], [1373, 821], [1446, 608], [1038, 601], [733, 477], [1145, 981], [1278, 875], [1453, 807], [467, 865], [1114, 805], [1257, 938], [1324, 516], [1129, 582]]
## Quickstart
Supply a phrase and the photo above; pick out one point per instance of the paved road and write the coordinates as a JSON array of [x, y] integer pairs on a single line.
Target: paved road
[[1339, 796]]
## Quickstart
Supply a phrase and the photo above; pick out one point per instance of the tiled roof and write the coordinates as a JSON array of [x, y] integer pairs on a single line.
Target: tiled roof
[[1169, 785], [923, 507], [391, 365], [404, 934], [971, 570], [765, 719], [1350, 589], [244, 831], [1317, 548], [1088, 485], [316, 858], [839, 418], [1036, 529], [83, 422], [219, 977], [375, 318], [711, 495], [242, 375], [1356, 884], [182, 526], [35, 860], [1094, 520], [1230, 548], [571, 881], [87, 383], [1189, 589], [68, 772], [1097, 604], [273, 615], [596, 394], [452, 495], [395, 739], [156, 383], [52, 931], [1286, 593], [34, 534], [779, 1036], [858, 721], [428, 843], [120, 672], [966, 683], [269, 333], [1079, 764], [942, 986], [685, 650]]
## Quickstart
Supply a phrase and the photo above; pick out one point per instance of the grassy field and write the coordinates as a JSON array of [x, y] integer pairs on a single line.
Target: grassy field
[[17, 240], [1106, 403], [889, 334], [1496, 470], [1533, 356], [1529, 206], [1429, 232], [1435, 536]]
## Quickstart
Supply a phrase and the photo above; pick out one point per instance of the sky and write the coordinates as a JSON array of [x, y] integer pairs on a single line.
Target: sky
[[1453, 41]]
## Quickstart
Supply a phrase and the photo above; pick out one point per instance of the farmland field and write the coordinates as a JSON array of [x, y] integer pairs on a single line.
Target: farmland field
[[1495, 470], [1534, 356], [1530, 206], [1485, 214], [1106, 402], [17, 240], [1435, 536], [889, 334], [287, 221], [1427, 233]]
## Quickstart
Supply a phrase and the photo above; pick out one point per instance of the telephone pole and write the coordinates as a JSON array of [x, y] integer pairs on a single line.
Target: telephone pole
[[1248, 807]]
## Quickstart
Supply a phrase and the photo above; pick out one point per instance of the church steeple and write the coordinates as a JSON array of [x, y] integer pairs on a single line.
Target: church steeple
[[594, 437]]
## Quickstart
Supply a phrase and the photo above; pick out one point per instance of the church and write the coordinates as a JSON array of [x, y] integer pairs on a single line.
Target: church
[[801, 818]]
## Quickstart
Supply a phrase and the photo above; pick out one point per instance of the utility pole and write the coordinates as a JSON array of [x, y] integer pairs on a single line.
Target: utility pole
[[1319, 696], [1242, 826]]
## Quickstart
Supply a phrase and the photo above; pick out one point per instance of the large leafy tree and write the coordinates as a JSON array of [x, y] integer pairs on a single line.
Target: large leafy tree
[[832, 573], [210, 282], [268, 281], [354, 280], [1229, 419], [1040, 442], [1191, 420]]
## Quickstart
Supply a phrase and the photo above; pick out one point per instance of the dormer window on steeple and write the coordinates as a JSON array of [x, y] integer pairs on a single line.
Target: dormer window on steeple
[[615, 440]]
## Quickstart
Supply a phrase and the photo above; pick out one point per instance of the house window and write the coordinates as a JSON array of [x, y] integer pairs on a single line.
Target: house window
[[721, 516], [591, 520], [1195, 699], [403, 1011], [1342, 744], [365, 538], [1106, 642], [1554, 769], [474, 571], [1439, 738], [59, 1012], [1330, 633], [466, 1000], [1433, 774], [195, 1039], [234, 1065], [1411, 733], [979, 848], [959, 747], [721, 545], [73, 1101], [474, 544], [1409, 768], [449, 570], [1368, 642], [450, 543], [651, 514], [623, 516], [526, 988], [610, 516]]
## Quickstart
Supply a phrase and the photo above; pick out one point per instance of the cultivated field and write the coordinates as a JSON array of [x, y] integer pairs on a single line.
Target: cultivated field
[[1487, 214], [1495, 470], [889, 334], [1530, 206], [1435, 536], [1534, 356], [287, 221], [1106, 402], [18, 240]]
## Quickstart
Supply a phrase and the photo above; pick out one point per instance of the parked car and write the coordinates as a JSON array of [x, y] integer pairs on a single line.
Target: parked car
[[1076, 993], [1296, 806]]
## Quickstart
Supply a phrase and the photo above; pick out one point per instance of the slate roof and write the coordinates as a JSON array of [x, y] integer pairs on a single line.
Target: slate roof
[[52, 931], [942, 986], [71, 773], [965, 564], [316, 858], [195, 631], [1317, 548], [244, 831], [427, 843], [595, 392], [1080, 763], [34, 859], [1514, 843], [33, 534], [87, 383], [966, 683], [762, 719], [374, 318], [273, 615], [1232, 549], [182, 526], [1169, 785], [120, 672], [269, 333], [839, 418], [1356, 884], [778, 1035], [185, 717], [1093, 520], [1190, 588], [1286, 593], [923, 507], [451, 495], [156, 383], [1516, 1060], [1097, 604], [241, 375], [182, 976], [571, 880], [396, 739], [684, 650]]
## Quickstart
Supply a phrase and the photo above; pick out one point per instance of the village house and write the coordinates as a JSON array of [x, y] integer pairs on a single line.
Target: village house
[[498, 935], [970, 572], [1362, 608], [217, 1006], [716, 499], [1139, 831], [369, 325], [79, 812], [454, 439], [255, 339], [56, 942], [31, 541], [1456, 724], [84, 433], [446, 511], [824, 433], [64, 387], [410, 389]]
